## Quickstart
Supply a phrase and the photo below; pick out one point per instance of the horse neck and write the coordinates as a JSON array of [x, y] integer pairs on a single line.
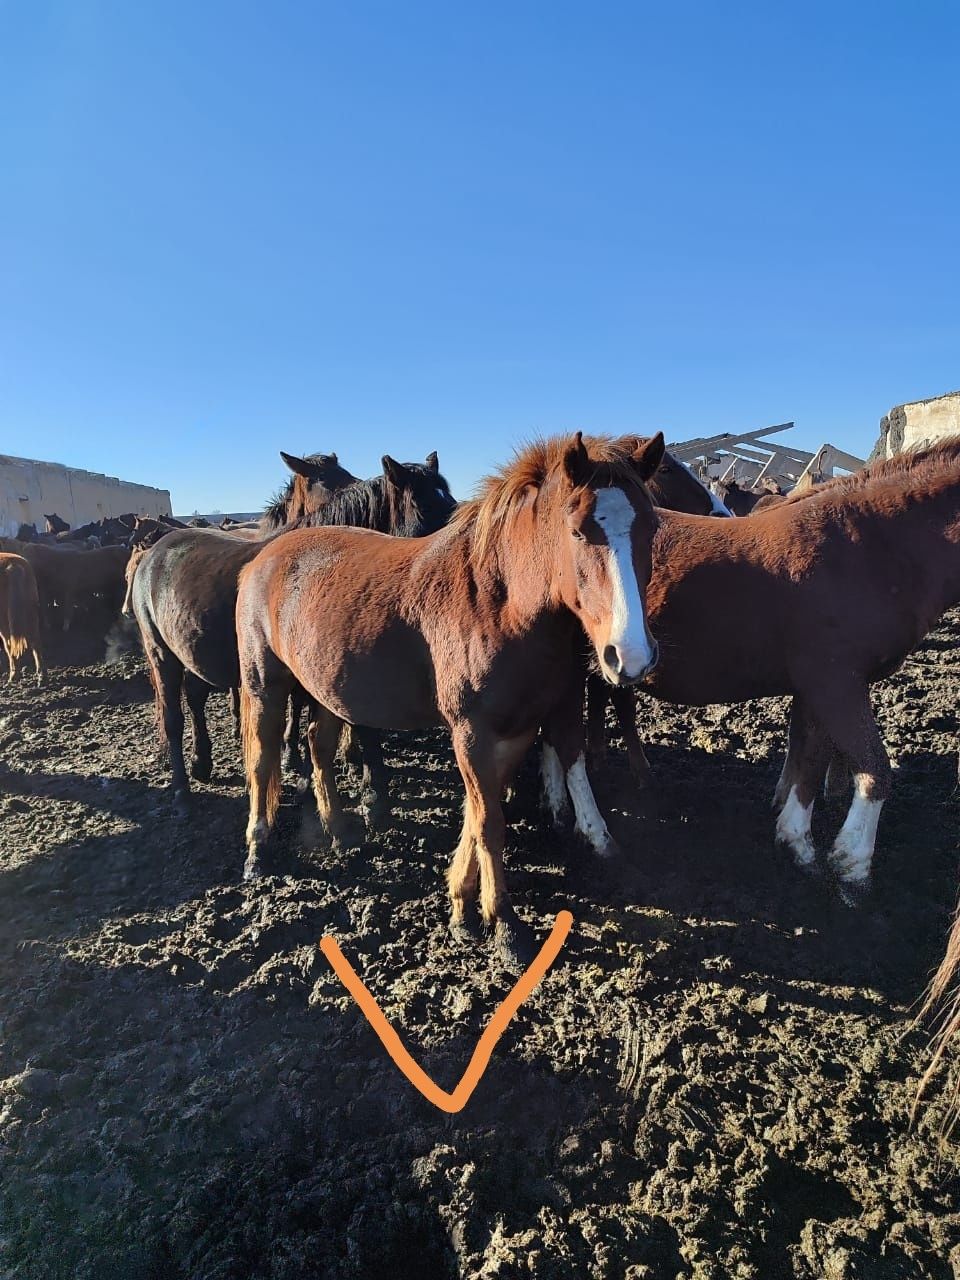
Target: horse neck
[[523, 567]]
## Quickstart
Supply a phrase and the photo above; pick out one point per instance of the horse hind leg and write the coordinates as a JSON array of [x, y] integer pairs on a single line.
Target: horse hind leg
[[323, 736], [197, 692], [263, 703], [166, 674], [295, 758]]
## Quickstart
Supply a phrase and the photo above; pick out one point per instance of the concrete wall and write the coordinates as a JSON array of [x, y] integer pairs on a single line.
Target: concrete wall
[[29, 490], [911, 426]]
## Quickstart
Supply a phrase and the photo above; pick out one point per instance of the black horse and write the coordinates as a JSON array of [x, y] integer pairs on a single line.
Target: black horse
[[184, 592]]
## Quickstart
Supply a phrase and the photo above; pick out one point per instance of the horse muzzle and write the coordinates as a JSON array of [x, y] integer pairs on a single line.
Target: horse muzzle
[[622, 670]]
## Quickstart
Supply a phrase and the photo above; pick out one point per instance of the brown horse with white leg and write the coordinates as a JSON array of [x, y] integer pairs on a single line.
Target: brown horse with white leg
[[825, 593], [476, 626]]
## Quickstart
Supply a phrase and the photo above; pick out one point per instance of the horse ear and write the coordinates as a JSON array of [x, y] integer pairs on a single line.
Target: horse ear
[[433, 462], [575, 460], [395, 471], [648, 455], [299, 466]]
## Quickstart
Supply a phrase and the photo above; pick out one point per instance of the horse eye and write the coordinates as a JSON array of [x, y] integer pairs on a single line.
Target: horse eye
[[578, 534]]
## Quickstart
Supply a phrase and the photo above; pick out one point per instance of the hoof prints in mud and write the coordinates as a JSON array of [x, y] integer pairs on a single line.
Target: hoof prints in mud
[[714, 1080]]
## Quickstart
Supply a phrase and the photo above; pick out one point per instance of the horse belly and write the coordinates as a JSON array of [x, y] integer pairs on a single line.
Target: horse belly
[[385, 682]]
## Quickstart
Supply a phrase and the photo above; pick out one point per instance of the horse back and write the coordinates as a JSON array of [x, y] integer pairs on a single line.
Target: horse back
[[184, 596]]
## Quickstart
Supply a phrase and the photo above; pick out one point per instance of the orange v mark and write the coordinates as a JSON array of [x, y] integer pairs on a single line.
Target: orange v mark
[[457, 1100]]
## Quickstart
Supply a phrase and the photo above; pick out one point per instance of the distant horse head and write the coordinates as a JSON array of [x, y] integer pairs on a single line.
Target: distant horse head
[[675, 486], [740, 502], [315, 478], [418, 496], [55, 524], [409, 500]]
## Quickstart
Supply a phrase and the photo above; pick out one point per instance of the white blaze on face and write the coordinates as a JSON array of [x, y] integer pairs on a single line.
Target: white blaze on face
[[628, 624]]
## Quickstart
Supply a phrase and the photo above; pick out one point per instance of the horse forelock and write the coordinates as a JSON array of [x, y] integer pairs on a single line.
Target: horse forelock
[[488, 516]]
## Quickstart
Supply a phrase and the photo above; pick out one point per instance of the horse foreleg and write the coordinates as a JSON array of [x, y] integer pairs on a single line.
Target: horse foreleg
[[852, 854], [625, 705], [842, 710], [197, 692], [374, 786], [463, 878], [837, 781], [800, 779], [564, 758], [486, 764], [597, 694], [323, 736]]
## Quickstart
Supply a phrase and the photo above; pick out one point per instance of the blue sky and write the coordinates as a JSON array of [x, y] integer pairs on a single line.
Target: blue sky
[[230, 228]]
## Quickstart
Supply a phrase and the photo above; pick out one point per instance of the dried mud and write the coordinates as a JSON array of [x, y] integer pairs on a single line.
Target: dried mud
[[714, 1080]]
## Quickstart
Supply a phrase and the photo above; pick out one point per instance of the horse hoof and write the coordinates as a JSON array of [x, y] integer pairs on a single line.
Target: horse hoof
[[349, 833], [181, 803], [251, 868], [376, 811], [853, 893], [466, 929], [515, 945], [201, 770]]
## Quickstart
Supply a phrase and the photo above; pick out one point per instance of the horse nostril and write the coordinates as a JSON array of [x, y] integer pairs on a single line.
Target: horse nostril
[[611, 658]]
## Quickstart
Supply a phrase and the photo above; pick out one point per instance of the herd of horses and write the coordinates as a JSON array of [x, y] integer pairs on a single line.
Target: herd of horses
[[587, 570]]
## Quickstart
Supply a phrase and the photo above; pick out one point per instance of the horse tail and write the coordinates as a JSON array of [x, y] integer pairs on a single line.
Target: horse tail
[[253, 754], [948, 1019], [21, 625]]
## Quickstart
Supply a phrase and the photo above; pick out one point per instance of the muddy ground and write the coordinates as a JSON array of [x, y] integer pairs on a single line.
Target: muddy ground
[[713, 1081]]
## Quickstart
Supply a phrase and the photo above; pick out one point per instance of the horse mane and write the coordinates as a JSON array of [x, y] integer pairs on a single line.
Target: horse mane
[[927, 462], [501, 494]]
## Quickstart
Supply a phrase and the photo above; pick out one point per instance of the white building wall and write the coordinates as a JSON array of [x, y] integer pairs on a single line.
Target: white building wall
[[29, 490]]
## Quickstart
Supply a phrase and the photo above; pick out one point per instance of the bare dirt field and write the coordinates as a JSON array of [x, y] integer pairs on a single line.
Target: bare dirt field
[[713, 1081]]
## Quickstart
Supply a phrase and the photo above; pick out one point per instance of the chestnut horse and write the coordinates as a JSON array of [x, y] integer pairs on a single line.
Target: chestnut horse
[[183, 594], [19, 613], [837, 585], [477, 627]]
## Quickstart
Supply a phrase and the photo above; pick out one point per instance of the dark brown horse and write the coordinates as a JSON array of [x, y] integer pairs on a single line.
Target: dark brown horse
[[183, 594], [314, 478], [477, 627], [71, 580], [839, 585]]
